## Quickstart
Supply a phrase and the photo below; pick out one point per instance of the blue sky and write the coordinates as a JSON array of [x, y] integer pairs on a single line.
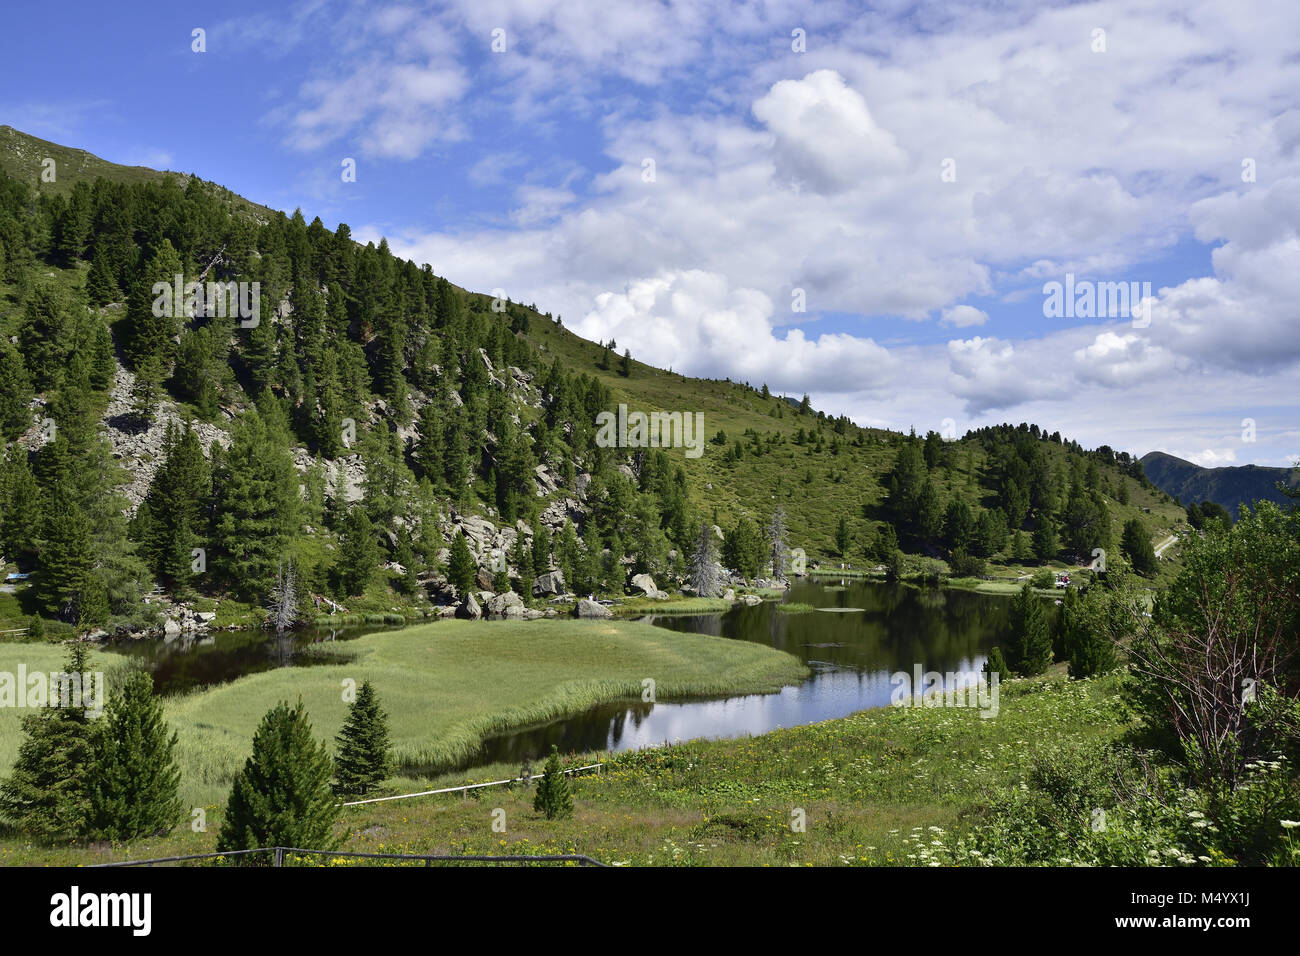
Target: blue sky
[[918, 176]]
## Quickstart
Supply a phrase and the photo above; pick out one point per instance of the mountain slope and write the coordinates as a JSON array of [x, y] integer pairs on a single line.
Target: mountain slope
[[463, 414], [1230, 486]]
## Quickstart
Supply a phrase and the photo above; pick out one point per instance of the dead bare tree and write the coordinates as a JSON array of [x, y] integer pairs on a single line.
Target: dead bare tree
[[780, 551], [284, 597], [1208, 668], [703, 573]]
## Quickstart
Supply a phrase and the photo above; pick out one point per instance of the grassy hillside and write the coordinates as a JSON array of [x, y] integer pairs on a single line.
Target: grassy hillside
[[1230, 486], [818, 469]]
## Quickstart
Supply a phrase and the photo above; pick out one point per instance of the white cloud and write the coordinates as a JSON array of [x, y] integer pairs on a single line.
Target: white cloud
[[696, 323], [824, 133], [823, 172], [962, 316]]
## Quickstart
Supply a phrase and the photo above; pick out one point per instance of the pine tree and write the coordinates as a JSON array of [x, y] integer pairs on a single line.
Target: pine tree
[[1085, 639], [152, 335], [256, 492], [45, 337], [552, 796], [147, 388], [92, 605], [461, 567], [843, 537], [1046, 544], [103, 361], [363, 760], [282, 796], [358, 553], [174, 511], [744, 548], [22, 506], [47, 794], [523, 560], [541, 550], [1029, 643], [15, 393], [1136, 545], [136, 787], [66, 558], [996, 664], [101, 285]]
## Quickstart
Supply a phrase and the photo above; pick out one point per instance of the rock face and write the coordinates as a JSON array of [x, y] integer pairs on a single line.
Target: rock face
[[751, 599], [502, 605], [469, 610], [729, 595], [555, 514], [646, 585], [552, 582], [591, 610]]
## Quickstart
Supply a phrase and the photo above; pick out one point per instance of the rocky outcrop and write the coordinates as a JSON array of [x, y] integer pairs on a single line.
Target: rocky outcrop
[[501, 605], [552, 582], [644, 584], [469, 610], [591, 610], [557, 512]]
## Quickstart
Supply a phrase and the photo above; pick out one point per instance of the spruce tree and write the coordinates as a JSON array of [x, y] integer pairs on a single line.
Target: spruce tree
[[541, 550], [22, 506], [552, 796], [358, 553], [1136, 545], [45, 337], [15, 393], [363, 760], [66, 558], [147, 388], [282, 796], [461, 568], [843, 537], [47, 795], [101, 285], [256, 493], [523, 559], [996, 664], [151, 335], [136, 787], [1029, 644], [1046, 544]]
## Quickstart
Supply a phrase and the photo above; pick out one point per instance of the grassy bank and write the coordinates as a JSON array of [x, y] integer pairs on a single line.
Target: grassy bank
[[445, 686], [674, 605], [871, 787]]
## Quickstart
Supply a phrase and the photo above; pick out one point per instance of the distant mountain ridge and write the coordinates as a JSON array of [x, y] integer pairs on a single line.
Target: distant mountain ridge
[[1231, 486]]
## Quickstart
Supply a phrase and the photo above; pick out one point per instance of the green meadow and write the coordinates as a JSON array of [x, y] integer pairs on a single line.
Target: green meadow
[[893, 786], [445, 686]]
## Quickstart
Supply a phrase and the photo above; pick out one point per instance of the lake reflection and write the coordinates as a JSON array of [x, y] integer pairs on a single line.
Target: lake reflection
[[867, 632]]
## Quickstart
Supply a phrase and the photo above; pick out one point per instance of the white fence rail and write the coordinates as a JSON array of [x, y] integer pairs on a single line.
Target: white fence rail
[[468, 787]]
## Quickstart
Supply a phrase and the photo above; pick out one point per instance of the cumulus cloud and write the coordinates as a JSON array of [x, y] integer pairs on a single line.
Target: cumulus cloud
[[696, 323], [824, 133], [964, 315], [980, 157]]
